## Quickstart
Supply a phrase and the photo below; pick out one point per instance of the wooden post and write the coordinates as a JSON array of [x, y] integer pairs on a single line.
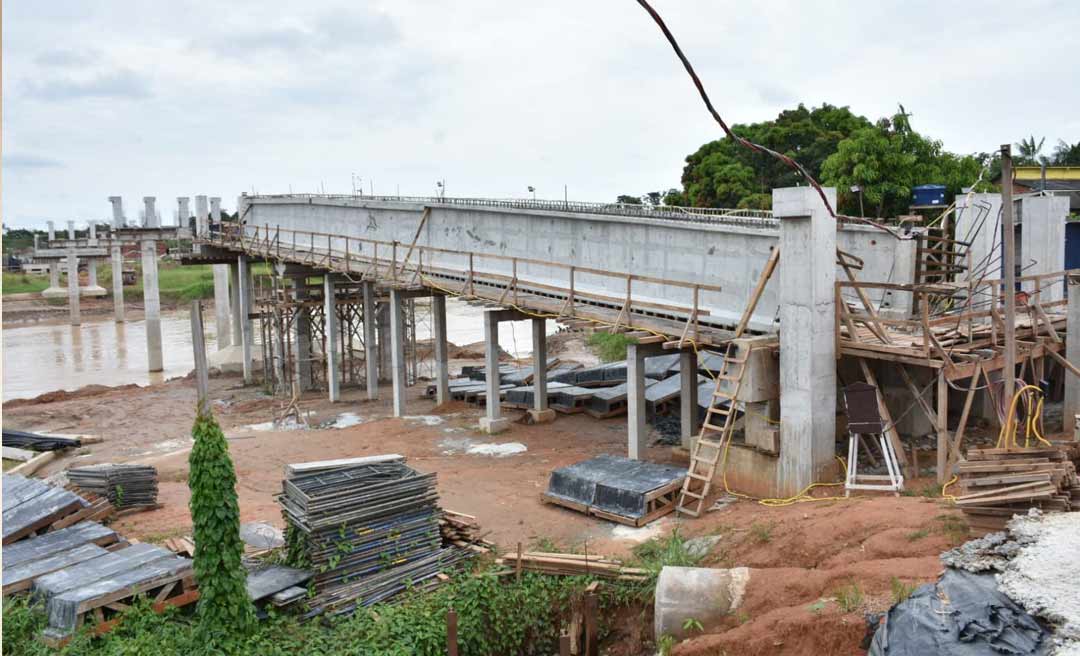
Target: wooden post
[[942, 427], [198, 344], [564, 644], [592, 647], [517, 574], [1009, 377], [451, 633]]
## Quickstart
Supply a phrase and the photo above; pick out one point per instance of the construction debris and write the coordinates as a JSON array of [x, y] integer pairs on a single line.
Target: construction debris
[[995, 484], [463, 531], [568, 564], [125, 486]]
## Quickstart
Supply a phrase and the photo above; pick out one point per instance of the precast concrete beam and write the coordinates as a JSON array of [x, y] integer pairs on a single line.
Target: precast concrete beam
[[333, 339], [371, 355], [540, 412], [442, 360], [151, 304], [492, 422], [807, 337], [397, 351]]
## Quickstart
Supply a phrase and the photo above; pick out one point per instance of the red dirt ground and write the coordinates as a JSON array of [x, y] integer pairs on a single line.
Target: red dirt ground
[[801, 554]]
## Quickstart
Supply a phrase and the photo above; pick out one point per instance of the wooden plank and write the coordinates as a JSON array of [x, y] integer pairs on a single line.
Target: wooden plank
[[34, 464], [957, 441], [1014, 496], [759, 289], [1014, 488], [15, 453]]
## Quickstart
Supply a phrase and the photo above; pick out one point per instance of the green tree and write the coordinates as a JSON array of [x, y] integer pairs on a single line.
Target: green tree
[[225, 611], [1066, 155], [1029, 152], [886, 160], [626, 199], [723, 173]]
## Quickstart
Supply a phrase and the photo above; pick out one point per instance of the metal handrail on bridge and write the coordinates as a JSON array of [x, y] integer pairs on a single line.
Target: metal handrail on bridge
[[706, 215], [362, 256]]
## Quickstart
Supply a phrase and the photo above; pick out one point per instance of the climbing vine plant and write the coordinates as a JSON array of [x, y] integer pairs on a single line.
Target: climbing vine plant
[[225, 611]]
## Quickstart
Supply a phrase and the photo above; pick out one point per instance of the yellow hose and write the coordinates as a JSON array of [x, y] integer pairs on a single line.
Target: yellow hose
[[1032, 418]]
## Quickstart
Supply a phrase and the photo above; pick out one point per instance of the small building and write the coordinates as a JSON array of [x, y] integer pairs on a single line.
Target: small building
[[1058, 180]]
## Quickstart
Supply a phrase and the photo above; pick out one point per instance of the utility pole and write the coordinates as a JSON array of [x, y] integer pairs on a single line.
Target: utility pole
[[1009, 375]]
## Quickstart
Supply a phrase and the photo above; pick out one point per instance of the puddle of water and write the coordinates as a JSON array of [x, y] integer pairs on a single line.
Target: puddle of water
[[473, 448], [344, 420], [636, 534], [427, 420]]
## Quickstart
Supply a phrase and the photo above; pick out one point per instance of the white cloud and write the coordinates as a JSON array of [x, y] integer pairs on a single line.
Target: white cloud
[[172, 99]]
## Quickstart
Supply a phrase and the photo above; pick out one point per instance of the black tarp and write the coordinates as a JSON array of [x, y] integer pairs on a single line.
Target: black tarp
[[963, 614]]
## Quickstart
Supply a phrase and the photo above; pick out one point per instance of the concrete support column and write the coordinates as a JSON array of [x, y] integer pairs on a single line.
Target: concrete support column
[[183, 211], [1072, 354], [151, 303], [492, 422], [234, 305], [636, 429], [302, 338], [52, 230], [150, 220], [215, 209], [54, 275], [221, 306], [540, 413], [382, 322], [73, 287], [397, 350], [117, 212], [243, 268], [71, 230], [117, 281], [688, 397], [442, 360], [371, 356], [202, 215], [807, 337], [333, 339]]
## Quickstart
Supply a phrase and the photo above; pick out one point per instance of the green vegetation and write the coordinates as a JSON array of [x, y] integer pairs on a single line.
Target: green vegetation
[[954, 527], [496, 615], [692, 624], [225, 611], [610, 347], [761, 532], [850, 597], [918, 535], [816, 607], [900, 590], [22, 283]]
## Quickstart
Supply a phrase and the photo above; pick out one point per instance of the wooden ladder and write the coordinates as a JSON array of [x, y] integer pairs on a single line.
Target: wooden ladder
[[715, 433]]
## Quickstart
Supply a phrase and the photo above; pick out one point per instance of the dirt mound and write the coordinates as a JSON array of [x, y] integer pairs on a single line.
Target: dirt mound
[[63, 395]]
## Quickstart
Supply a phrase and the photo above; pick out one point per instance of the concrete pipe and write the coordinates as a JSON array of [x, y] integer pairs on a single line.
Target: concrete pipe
[[698, 593]]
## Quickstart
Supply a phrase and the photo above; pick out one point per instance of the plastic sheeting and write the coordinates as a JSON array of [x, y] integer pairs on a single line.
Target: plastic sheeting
[[963, 614]]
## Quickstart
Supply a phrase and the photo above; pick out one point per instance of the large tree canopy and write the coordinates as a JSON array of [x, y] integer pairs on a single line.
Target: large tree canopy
[[724, 174]]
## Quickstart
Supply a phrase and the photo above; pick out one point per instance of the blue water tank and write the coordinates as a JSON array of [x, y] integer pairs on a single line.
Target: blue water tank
[[929, 194]]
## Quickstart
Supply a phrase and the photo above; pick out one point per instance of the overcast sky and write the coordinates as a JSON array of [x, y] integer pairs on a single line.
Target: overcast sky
[[182, 98]]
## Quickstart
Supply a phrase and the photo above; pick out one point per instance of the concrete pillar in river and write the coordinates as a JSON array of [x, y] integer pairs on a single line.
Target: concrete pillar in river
[[117, 256], [73, 287], [221, 306], [183, 212]]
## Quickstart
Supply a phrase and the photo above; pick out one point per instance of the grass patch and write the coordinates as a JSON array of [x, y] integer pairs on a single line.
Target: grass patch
[[761, 532], [953, 527], [918, 535], [900, 590], [496, 615], [544, 544], [24, 283], [610, 347], [850, 597]]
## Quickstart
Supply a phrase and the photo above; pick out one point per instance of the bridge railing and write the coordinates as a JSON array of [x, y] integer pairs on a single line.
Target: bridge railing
[[706, 215], [563, 290]]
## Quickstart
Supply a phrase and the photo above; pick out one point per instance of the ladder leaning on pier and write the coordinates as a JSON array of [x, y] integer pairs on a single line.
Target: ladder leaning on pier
[[719, 422]]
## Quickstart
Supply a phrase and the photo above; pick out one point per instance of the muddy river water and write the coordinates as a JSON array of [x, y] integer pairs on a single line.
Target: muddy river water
[[41, 358]]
